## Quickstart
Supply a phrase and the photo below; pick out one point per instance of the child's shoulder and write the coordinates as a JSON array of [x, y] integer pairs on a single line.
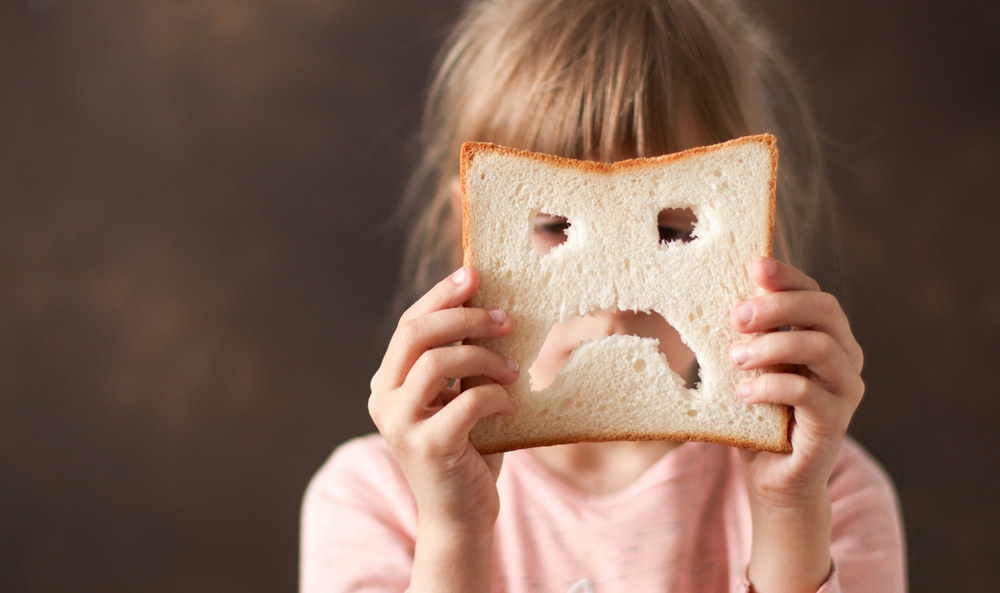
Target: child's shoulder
[[361, 469], [370, 447], [857, 472], [866, 508]]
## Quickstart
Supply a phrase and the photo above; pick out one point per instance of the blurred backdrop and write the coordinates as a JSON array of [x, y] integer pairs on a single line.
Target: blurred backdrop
[[195, 263]]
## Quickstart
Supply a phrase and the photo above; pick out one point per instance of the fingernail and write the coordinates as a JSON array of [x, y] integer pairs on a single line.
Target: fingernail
[[459, 276], [770, 267], [743, 390], [512, 365], [498, 315], [744, 313], [739, 353]]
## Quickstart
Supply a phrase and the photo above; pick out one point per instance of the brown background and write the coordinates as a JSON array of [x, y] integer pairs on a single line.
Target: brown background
[[195, 260]]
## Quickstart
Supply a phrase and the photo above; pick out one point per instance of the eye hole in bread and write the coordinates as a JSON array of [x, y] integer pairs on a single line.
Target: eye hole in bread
[[547, 232], [676, 224]]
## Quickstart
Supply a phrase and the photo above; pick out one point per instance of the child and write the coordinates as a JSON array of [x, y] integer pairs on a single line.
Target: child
[[417, 507]]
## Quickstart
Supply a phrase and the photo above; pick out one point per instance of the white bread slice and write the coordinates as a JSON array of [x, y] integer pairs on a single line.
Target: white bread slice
[[620, 387]]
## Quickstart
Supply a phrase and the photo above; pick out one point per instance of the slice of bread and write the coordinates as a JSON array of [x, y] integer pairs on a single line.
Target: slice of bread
[[620, 387]]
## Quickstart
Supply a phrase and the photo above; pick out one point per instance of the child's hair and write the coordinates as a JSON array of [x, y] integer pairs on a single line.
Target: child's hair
[[606, 80]]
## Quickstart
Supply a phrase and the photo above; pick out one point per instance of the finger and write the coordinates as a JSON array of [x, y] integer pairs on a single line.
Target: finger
[[436, 329], [435, 368], [454, 422], [786, 389], [448, 293], [816, 409], [817, 311], [774, 276], [816, 351]]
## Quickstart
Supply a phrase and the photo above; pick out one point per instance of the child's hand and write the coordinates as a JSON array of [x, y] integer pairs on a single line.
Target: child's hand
[[824, 391], [788, 492], [426, 422]]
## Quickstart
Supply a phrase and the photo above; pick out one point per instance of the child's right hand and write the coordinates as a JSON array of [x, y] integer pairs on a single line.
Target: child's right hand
[[426, 423]]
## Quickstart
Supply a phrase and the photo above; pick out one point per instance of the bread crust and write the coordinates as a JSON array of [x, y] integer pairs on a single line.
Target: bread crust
[[472, 150]]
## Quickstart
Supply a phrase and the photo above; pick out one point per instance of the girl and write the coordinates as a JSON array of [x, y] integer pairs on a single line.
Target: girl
[[417, 507]]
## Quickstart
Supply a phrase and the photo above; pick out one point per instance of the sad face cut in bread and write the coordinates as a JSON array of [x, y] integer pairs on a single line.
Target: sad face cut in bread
[[669, 238]]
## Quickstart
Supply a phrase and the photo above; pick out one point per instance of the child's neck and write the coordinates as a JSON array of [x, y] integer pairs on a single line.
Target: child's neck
[[602, 468]]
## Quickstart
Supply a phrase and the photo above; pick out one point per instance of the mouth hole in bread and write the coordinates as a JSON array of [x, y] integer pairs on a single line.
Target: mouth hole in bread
[[564, 339], [676, 225], [548, 231]]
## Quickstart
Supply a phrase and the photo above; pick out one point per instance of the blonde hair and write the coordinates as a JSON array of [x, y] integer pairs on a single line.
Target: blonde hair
[[605, 80]]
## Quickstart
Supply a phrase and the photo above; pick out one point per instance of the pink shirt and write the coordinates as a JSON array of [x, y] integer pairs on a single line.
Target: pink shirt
[[683, 527]]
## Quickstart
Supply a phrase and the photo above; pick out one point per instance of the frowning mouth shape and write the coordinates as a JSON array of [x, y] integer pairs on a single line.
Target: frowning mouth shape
[[564, 341]]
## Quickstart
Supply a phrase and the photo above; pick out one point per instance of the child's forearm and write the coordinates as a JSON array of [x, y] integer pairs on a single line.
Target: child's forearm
[[790, 552], [447, 561]]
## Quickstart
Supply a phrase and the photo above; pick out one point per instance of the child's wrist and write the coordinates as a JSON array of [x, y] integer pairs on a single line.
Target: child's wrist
[[805, 500], [466, 533], [791, 543], [450, 558], [806, 518]]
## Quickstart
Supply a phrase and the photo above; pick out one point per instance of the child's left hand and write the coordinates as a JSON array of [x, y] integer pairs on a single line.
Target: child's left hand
[[824, 392], [789, 501]]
